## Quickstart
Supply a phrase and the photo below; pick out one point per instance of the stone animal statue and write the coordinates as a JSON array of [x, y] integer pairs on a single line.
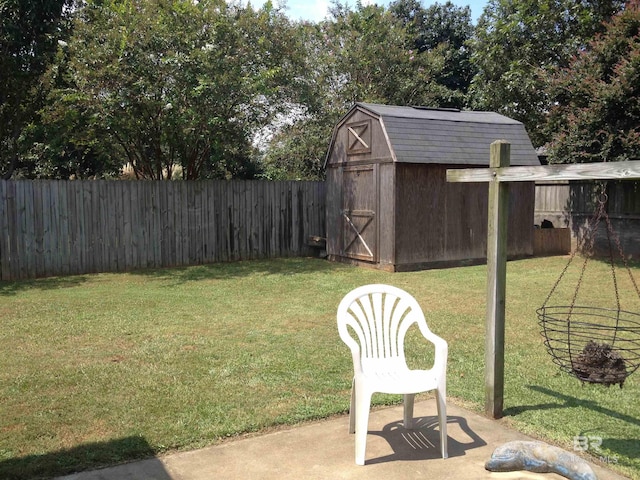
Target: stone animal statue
[[539, 457]]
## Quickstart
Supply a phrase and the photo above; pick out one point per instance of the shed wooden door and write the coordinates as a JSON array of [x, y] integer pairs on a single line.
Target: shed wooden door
[[359, 223]]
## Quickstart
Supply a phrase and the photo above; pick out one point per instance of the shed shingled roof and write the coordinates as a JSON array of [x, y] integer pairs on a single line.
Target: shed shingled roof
[[419, 135]]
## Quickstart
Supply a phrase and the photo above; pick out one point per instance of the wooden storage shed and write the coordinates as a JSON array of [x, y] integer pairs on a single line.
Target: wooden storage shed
[[388, 202]]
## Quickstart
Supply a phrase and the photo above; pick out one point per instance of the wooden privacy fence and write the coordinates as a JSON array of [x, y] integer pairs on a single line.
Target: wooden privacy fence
[[54, 227], [572, 204]]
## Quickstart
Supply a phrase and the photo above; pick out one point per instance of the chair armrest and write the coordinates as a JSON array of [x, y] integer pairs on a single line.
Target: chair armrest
[[441, 351]]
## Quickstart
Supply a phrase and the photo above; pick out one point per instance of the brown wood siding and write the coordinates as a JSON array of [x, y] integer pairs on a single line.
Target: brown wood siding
[[379, 148], [439, 222], [551, 241], [386, 215], [521, 214], [333, 211], [421, 203]]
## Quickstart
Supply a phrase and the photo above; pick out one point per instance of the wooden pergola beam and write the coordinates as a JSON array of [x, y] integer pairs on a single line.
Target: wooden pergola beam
[[578, 171], [498, 175]]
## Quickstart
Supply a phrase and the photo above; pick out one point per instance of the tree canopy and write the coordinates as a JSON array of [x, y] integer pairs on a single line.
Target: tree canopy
[[29, 35], [518, 41], [172, 102], [596, 98], [216, 89], [445, 27]]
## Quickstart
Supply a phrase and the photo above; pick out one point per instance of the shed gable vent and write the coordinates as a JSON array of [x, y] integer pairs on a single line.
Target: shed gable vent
[[359, 134]]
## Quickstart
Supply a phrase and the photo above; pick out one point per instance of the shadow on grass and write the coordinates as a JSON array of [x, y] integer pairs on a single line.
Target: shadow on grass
[[52, 283], [423, 441], [83, 457], [624, 450], [627, 445], [568, 401], [179, 275], [230, 270]]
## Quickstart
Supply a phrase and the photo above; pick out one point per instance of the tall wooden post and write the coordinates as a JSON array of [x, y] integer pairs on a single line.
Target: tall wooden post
[[496, 282]]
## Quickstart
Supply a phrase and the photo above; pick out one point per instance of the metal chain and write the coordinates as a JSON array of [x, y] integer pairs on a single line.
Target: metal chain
[[587, 241], [566, 267], [610, 233], [586, 245]]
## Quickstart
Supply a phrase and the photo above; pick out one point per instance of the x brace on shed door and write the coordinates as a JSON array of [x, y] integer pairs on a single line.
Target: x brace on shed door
[[355, 244]]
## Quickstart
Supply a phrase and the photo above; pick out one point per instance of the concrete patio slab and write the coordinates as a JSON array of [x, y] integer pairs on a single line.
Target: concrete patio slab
[[324, 450]]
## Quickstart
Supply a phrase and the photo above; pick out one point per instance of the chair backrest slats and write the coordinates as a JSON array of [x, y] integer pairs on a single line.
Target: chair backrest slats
[[389, 304], [379, 317], [357, 321], [370, 326], [376, 300]]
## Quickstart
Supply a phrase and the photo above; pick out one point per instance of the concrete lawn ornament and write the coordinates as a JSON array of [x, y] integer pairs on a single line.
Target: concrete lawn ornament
[[539, 457]]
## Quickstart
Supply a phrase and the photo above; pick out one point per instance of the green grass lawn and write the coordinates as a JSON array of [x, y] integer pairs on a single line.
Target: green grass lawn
[[100, 369]]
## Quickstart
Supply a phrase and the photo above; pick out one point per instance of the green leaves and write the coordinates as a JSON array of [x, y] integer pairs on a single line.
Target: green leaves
[[29, 34], [369, 54], [154, 92], [518, 42], [212, 89], [596, 113]]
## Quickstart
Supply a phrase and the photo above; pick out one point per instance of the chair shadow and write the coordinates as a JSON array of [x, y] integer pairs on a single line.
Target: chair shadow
[[423, 441], [568, 401], [87, 456]]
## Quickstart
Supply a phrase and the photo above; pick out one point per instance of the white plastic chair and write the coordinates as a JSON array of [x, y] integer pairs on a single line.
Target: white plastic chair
[[373, 321]]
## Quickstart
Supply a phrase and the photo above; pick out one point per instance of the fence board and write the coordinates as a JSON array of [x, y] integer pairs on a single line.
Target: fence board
[[125, 207], [184, 218], [156, 224], [54, 241], [63, 230], [38, 231], [51, 227], [73, 261], [253, 224], [166, 210], [11, 245], [78, 247], [93, 218], [572, 204], [22, 251]]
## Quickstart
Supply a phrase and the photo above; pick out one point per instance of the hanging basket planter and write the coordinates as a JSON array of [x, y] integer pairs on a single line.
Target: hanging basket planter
[[595, 345]]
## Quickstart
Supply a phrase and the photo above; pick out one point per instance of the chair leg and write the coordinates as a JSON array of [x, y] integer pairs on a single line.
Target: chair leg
[[352, 409], [409, 400], [441, 403], [363, 403]]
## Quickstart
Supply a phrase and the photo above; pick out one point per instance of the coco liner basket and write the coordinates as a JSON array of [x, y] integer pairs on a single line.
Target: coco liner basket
[[596, 345]]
